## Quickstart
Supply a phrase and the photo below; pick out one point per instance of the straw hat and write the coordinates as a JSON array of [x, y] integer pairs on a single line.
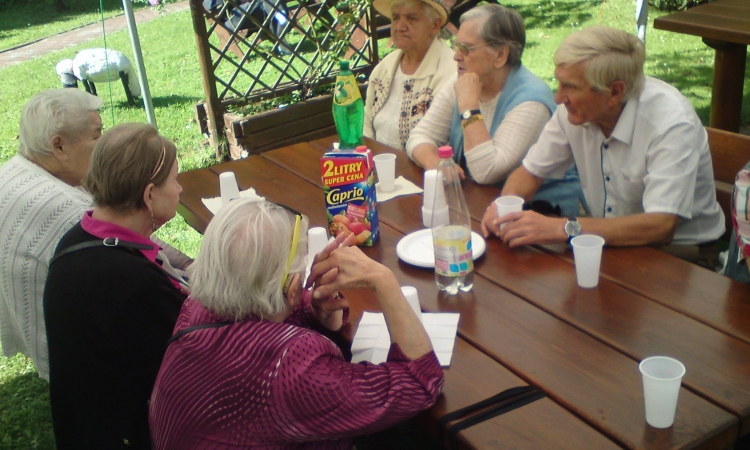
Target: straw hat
[[384, 8]]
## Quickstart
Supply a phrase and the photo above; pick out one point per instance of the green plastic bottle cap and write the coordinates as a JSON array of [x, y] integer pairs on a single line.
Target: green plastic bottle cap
[[344, 64]]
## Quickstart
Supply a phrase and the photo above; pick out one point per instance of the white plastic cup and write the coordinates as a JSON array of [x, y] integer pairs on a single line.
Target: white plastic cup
[[434, 210], [412, 296], [587, 252], [228, 187], [317, 239], [385, 164], [662, 377], [508, 204]]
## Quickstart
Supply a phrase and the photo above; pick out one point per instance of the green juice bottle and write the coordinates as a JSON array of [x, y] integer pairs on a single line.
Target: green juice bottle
[[348, 109]]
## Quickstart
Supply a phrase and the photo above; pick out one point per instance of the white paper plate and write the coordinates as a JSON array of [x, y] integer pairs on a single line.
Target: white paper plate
[[416, 248]]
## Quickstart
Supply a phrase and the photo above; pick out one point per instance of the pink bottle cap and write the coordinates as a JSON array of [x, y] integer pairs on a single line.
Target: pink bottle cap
[[361, 149], [445, 151]]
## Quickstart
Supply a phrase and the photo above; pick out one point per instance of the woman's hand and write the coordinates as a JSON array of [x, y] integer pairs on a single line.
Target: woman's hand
[[346, 268], [467, 88]]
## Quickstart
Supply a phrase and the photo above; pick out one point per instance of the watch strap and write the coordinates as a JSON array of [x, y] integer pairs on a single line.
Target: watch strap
[[471, 112], [470, 120]]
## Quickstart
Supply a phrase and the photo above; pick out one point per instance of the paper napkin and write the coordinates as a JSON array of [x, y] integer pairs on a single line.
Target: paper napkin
[[403, 187], [214, 204], [372, 341]]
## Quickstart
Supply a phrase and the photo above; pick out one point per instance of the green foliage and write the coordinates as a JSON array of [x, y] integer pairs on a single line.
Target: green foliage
[[676, 5]]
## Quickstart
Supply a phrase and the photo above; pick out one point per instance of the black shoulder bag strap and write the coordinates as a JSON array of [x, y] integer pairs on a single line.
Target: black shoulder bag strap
[[504, 402], [107, 242]]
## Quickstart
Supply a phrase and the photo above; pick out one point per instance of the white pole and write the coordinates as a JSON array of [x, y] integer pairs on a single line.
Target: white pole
[[142, 79]]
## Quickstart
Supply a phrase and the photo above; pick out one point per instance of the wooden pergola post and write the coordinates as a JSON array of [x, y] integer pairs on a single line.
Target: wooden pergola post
[[213, 106]]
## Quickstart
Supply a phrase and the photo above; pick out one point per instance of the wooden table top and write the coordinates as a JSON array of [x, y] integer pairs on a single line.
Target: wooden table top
[[526, 321], [721, 20]]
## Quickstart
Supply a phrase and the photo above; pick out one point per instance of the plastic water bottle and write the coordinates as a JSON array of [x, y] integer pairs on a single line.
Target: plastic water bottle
[[454, 262], [348, 109]]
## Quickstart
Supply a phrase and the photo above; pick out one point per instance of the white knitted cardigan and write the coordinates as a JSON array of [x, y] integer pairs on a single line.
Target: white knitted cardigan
[[36, 210]]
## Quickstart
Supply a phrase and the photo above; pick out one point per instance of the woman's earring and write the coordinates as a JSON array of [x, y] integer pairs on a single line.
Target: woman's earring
[[153, 222]]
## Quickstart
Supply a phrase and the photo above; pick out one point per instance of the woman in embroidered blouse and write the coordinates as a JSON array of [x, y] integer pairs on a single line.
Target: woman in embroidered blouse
[[404, 83], [111, 299], [250, 365], [495, 110]]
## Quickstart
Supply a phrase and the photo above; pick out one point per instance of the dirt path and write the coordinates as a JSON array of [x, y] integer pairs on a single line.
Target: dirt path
[[80, 35]]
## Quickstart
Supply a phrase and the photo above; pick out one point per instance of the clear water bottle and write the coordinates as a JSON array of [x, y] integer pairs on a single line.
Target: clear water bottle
[[451, 237], [348, 109]]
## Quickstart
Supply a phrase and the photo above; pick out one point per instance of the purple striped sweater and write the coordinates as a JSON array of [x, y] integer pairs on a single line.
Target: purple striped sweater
[[265, 385]]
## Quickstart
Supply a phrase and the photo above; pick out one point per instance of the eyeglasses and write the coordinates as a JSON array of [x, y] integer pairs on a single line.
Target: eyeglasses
[[295, 244], [465, 49]]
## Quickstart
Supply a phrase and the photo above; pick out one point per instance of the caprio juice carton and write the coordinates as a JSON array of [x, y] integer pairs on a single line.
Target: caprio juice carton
[[349, 186]]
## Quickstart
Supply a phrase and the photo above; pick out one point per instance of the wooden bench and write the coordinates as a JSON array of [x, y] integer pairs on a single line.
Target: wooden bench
[[729, 153]]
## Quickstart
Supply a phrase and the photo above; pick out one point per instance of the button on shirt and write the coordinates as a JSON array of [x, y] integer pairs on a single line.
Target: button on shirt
[[656, 160]]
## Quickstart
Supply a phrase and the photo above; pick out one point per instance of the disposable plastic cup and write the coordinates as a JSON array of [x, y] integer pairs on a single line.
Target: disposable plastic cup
[[587, 252], [434, 210], [412, 296], [228, 187], [662, 377], [317, 239], [508, 204], [385, 164]]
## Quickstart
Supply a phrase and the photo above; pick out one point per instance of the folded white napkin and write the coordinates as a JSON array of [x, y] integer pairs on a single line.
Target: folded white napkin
[[403, 187], [214, 204], [372, 341]]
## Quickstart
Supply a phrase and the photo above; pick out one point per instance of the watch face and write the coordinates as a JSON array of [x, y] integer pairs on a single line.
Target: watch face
[[572, 228], [466, 115]]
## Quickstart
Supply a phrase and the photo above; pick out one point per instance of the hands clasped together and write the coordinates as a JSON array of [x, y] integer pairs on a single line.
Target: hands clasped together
[[343, 266]]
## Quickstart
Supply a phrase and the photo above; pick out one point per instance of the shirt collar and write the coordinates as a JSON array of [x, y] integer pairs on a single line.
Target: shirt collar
[[625, 127], [103, 230]]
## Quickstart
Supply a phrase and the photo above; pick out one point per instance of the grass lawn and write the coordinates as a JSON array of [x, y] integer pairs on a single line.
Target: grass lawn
[[24, 21], [174, 76]]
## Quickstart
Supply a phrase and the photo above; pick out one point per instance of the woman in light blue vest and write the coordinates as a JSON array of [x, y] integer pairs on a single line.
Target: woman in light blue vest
[[495, 110]]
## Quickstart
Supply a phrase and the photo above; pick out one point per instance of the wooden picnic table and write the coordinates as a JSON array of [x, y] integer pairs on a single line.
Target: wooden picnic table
[[724, 26], [526, 321]]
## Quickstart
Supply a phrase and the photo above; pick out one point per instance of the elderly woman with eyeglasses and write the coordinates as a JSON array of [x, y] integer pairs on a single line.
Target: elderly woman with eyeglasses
[[495, 110], [250, 366], [112, 299], [403, 85]]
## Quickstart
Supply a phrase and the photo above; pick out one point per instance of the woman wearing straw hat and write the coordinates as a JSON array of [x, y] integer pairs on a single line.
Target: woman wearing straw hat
[[405, 82]]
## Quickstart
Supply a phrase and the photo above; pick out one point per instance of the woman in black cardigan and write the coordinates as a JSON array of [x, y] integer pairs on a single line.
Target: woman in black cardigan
[[111, 298]]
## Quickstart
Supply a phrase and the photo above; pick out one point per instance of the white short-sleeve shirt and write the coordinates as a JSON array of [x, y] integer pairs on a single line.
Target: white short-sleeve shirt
[[656, 160]]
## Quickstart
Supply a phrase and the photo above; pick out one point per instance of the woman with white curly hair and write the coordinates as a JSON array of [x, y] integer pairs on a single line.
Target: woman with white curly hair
[[250, 366]]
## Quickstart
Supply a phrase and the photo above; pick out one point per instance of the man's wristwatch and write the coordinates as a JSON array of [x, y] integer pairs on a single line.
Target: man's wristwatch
[[469, 112], [572, 228]]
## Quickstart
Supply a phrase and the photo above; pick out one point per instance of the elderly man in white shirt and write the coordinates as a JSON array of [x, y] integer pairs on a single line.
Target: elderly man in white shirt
[[641, 152]]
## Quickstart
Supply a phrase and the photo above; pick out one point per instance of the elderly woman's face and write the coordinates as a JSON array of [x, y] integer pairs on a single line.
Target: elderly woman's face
[[411, 29], [481, 58], [166, 197]]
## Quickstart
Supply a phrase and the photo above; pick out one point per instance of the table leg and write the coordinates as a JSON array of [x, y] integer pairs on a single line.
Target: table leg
[[729, 78]]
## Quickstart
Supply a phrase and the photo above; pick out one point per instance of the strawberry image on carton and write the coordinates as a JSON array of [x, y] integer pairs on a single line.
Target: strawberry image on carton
[[349, 186]]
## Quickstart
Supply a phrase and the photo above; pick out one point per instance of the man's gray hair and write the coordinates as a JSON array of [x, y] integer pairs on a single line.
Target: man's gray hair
[[429, 11], [53, 112], [239, 271], [609, 55], [500, 26]]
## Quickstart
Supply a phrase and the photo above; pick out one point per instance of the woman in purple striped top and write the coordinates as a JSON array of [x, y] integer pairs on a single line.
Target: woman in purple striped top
[[262, 374]]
